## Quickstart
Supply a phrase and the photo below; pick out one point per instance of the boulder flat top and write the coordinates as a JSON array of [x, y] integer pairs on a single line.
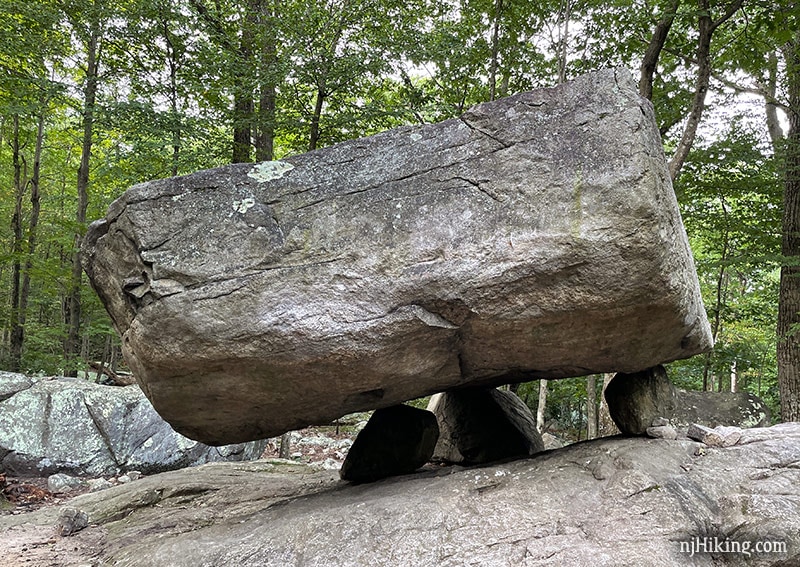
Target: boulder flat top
[[536, 236]]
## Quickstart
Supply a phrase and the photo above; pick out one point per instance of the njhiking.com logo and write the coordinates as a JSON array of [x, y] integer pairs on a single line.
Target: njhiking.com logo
[[721, 546]]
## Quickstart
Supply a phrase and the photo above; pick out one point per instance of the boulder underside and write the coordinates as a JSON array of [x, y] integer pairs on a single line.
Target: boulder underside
[[536, 236]]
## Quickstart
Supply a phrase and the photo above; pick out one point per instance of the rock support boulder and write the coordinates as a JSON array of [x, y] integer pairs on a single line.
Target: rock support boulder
[[536, 236], [481, 425], [396, 440], [636, 401]]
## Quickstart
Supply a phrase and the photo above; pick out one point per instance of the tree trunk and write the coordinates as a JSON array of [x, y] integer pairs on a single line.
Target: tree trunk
[[313, 138], [175, 119], [16, 329], [243, 94], [242, 115], [33, 224], [703, 55], [650, 60], [706, 27], [498, 12], [286, 445], [788, 352], [72, 344], [542, 405], [721, 288], [770, 90], [564, 14], [591, 406]]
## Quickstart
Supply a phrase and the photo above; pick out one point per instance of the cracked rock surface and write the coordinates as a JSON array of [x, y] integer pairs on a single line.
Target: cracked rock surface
[[602, 503], [536, 236], [66, 425]]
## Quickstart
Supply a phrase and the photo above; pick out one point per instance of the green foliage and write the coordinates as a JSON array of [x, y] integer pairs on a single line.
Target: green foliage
[[730, 194]]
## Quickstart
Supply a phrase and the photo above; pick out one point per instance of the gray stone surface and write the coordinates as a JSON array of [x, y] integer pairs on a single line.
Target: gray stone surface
[[396, 440], [61, 482], [604, 503], [662, 432], [635, 400], [77, 427], [536, 236], [481, 425]]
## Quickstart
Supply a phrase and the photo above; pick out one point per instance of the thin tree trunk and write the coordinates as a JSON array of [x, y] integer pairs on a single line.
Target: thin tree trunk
[[493, 66], [706, 27], [313, 138], [591, 406], [72, 344], [770, 102], [788, 352], [650, 60], [16, 329], [242, 115], [243, 96], [175, 119], [564, 14], [33, 224], [286, 445], [716, 322], [540, 408], [267, 102]]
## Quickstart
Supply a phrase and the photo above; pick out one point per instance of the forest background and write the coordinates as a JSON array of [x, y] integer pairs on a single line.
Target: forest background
[[98, 95]]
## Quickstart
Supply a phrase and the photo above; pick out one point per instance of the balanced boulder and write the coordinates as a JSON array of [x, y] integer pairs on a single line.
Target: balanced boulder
[[536, 236]]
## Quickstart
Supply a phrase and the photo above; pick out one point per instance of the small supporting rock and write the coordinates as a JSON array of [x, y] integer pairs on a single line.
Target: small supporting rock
[[636, 400], [480, 425], [396, 440], [662, 432]]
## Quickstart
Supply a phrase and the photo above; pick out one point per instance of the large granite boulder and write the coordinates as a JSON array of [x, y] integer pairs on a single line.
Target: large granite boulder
[[66, 425], [609, 502], [536, 236]]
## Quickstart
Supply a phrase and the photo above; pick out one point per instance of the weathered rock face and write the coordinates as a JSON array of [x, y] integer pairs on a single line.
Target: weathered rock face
[[536, 236], [480, 425], [635, 400], [77, 427], [603, 503]]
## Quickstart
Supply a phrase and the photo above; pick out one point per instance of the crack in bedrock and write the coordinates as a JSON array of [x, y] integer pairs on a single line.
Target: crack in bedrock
[[484, 133]]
